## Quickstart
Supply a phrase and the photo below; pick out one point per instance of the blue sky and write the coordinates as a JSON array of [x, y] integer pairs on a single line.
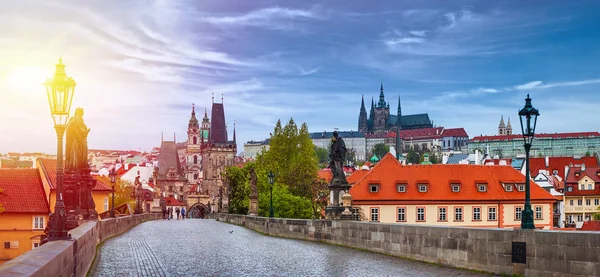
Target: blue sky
[[139, 65]]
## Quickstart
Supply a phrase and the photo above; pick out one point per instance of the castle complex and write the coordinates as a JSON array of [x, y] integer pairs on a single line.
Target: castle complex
[[381, 121]]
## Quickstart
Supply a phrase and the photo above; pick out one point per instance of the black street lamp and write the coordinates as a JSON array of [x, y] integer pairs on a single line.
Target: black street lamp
[[113, 179], [527, 115], [271, 181], [60, 90]]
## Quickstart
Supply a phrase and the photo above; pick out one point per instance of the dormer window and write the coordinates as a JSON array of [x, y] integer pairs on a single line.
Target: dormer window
[[455, 187], [422, 188], [521, 187], [373, 188], [577, 173], [570, 189], [482, 187], [401, 187], [508, 187]]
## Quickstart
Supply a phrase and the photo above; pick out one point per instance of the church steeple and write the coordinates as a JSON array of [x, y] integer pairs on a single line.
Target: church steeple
[[372, 112], [193, 124], [234, 140], [501, 127], [399, 111], [508, 128], [381, 103], [362, 117]]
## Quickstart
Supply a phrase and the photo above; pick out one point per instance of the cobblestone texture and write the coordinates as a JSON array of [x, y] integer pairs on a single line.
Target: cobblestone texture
[[209, 248]]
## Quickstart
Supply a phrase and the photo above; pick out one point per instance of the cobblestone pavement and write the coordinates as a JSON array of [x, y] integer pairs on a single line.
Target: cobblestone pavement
[[200, 247]]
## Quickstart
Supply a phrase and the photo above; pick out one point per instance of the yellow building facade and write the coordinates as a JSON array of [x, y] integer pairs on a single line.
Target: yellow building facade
[[26, 212]]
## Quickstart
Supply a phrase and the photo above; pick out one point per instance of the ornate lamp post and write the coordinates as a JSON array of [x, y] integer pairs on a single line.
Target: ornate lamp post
[[271, 181], [113, 180], [60, 90], [527, 115]]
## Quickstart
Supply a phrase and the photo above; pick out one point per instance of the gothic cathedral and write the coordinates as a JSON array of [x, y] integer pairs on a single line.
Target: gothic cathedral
[[381, 121]]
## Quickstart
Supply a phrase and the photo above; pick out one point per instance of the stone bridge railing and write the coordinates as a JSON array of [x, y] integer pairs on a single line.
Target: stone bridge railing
[[71, 257], [547, 253]]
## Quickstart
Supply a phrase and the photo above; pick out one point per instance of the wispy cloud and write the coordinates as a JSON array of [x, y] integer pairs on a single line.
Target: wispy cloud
[[271, 18], [530, 85], [542, 85]]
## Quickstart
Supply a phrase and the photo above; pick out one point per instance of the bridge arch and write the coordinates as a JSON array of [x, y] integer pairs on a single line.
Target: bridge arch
[[198, 210]]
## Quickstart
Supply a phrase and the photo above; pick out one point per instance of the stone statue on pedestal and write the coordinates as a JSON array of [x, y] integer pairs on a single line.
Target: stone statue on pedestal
[[78, 182], [253, 193], [338, 184]]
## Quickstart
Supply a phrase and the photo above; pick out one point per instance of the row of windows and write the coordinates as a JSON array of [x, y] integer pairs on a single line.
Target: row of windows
[[588, 202], [455, 187], [492, 213]]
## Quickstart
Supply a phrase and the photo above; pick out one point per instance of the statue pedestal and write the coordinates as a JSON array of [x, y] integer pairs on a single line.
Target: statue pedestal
[[334, 209], [253, 210]]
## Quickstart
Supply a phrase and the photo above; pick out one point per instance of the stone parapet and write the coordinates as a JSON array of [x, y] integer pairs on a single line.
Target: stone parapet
[[549, 253], [71, 257]]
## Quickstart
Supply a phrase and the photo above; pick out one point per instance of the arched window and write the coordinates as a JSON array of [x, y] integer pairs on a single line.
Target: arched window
[[195, 140], [195, 159]]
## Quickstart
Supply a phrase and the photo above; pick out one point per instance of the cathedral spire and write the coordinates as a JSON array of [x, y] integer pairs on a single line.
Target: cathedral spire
[[381, 103], [399, 107], [234, 132], [362, 104], [362, 117]]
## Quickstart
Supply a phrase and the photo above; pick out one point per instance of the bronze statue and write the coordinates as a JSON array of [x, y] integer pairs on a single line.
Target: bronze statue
[[253, 182], [76, 157], [337, 156]]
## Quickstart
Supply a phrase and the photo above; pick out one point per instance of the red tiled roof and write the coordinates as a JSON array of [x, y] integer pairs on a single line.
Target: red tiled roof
[[173, 202], [559, 163], [455, 132], [23, 191], [357, 175], [572, 181], [593, 225], [48, 166], [553, 136], [101, 185], [389, 172], [325, 174]]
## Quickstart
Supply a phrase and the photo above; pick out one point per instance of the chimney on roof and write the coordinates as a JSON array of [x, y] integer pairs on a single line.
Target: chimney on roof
[[547, 161], [566, 171], [477, 157], [583, 167], [126, 166]]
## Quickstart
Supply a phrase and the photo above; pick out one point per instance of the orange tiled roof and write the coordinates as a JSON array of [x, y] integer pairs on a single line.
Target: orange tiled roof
[[173, 202], [357, 175], [325, 174], [389, 172], [23, 191], [48, 166]]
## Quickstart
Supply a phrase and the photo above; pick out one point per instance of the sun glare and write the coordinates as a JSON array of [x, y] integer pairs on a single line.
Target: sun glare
[[26, 79]]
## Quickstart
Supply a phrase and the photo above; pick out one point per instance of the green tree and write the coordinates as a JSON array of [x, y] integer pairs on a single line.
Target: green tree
[[239, 188], [322, 155], [587, 154], [293, 159], [597, 215], [380, 150], [412, 156]]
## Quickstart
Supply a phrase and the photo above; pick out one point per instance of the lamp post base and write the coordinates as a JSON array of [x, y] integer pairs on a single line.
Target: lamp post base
[[527, 221]]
